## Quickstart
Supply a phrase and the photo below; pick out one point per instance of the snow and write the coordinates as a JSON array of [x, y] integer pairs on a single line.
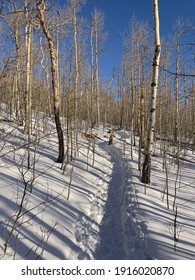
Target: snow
[[108, 214]]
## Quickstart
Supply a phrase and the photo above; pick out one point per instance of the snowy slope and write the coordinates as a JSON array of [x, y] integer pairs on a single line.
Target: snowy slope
[[107, 216], [52, 223]]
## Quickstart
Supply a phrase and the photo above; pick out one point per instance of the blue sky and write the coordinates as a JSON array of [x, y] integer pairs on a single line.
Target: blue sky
[[119, 12]]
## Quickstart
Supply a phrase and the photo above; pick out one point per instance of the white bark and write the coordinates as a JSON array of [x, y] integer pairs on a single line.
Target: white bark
[[54, 72], [146, 171], [76, 61], [97, 36], [28, 45]]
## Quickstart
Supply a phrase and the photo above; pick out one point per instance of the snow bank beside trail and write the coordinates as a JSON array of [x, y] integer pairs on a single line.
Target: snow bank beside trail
[[50, 226], [136, 232], [140, 249], [87, 226], [164, 237]]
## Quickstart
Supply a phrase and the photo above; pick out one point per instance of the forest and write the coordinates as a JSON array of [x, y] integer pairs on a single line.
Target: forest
[[76, 146]]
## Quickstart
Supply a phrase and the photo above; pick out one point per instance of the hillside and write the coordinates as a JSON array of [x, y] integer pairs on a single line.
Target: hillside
[[97, 209]]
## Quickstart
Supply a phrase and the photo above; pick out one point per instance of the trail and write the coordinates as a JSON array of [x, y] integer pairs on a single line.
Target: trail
[[111, 231], [114, 239]]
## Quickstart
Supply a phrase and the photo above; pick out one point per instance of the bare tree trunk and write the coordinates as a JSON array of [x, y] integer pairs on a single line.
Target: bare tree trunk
[[28, 89], [54, 72], [142, 104], [132, 115], [76, 61], [177, 96], [16, 78], [45, 69], [132, 80], [97, 76], [76, 51], [92, 74], [146, 171], [97, 36], [179, 27], [28, 94]]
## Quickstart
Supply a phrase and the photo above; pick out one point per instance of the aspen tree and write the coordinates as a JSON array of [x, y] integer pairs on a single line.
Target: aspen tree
[[142, 102], [179, 27], [92, 75], [41, 7], [106, 95], [28, 45], [146, 170], [16, 90], [97, 71], [192, 99], [122, 96], [28, 89], [97, 35], [142, 109], [119, 100], [132, 82], [75, 6], [46, 74], [185, 125], [144, 30]]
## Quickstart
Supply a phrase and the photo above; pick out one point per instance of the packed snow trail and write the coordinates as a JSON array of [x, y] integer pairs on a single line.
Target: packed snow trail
[[119, 233], [111, 231]]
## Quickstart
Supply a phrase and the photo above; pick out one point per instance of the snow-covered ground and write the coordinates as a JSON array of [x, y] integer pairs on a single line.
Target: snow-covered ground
[[108, 214]]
